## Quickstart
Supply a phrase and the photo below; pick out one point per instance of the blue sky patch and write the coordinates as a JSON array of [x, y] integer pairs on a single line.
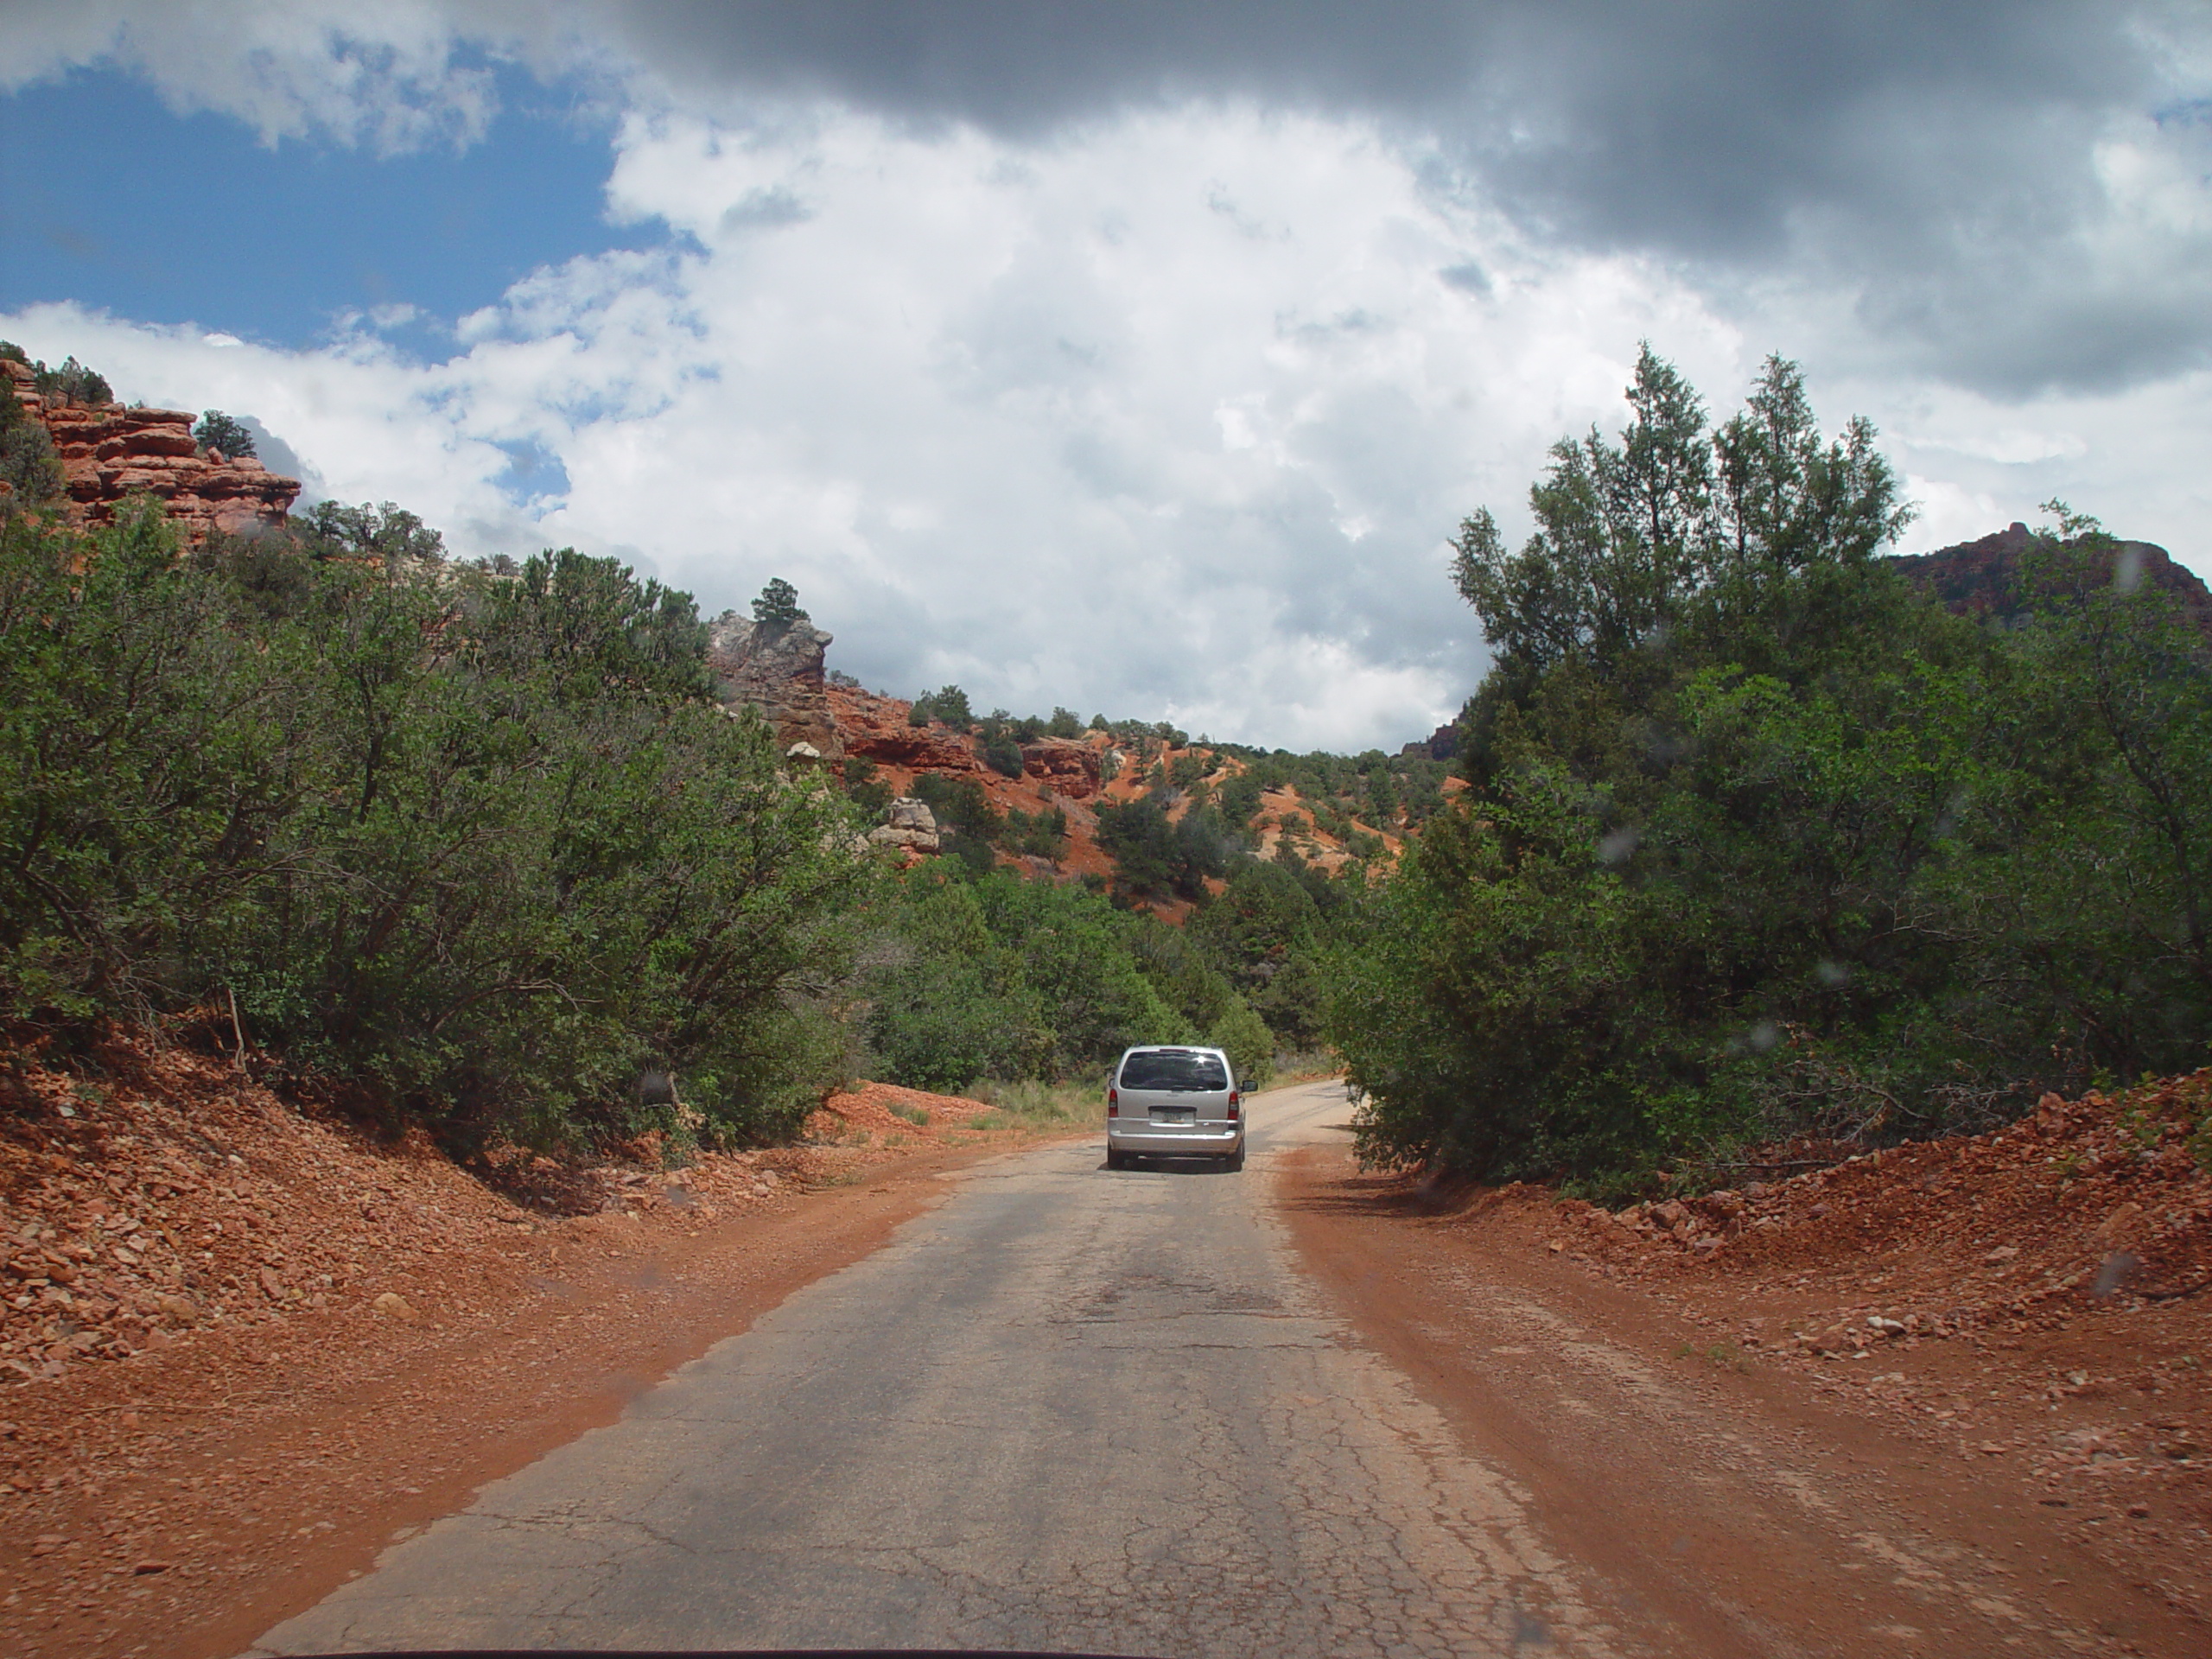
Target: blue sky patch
[[534, 479], [109, 200]]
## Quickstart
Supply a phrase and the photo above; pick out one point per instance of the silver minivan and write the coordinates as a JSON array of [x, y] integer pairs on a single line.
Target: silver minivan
[[1165, 1102]]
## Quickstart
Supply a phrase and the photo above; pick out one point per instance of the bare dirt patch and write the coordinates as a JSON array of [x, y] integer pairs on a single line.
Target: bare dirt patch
[[1909, 1404], [246, 1347]]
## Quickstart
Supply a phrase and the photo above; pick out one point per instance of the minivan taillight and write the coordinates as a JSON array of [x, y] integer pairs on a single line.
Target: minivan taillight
[[1113, 1102], [1232, 1105]]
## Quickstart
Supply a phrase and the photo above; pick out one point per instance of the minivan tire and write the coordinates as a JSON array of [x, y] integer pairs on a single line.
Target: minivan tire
[[1116, 1160], [1234, 1161]]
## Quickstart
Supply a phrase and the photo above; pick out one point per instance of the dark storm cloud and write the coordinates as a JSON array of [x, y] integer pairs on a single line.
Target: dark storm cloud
[[1698, 126], [1939, 157]]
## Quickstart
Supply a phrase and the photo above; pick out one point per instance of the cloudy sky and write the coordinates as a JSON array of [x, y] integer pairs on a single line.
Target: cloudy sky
[[1139, 356]]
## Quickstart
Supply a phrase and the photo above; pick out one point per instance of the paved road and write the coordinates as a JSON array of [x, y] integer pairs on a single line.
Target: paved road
[[1067, 1409]]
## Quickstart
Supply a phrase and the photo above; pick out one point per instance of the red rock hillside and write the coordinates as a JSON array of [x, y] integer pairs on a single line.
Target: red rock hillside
[[1066, 774], [1982, 578], [110, 452]]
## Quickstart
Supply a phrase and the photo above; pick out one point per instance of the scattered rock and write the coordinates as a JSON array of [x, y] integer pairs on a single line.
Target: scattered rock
[[392, 1305], [908, 821], [2114, 1227], [778, 670]]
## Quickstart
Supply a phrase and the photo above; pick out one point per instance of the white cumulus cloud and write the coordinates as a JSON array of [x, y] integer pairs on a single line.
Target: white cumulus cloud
[[1167, 412]]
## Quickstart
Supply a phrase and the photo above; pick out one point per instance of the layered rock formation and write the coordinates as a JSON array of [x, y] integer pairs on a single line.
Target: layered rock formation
[[875, 729], [878, 729], [109, 452], [1442, 744], [1067, 766], [778, 672], [1983, 578]]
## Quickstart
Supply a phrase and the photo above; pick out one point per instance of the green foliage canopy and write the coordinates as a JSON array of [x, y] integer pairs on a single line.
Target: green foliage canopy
[[777, 608], [1765, 843], [224, 434], [468, 844]]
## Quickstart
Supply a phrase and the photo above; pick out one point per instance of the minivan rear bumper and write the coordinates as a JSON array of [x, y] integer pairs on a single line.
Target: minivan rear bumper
[[1175, 1143]]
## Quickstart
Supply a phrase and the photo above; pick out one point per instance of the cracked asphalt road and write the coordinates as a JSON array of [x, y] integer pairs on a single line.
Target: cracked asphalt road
[[1065, 1409]]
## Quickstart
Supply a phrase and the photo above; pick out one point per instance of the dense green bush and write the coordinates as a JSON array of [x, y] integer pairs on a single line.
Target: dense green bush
[[1039, 835], [1263, 935], [71, 384], [948, 703], [946, 1004], [333, 529], [29, 465], [1156, 857], [992, 977], [777, 608], [1764, 843], [473, 845], [997, 977], [960, 806], [865, 788], [225, 435]]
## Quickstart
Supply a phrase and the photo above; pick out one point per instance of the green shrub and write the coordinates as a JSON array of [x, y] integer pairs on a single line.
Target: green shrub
[[1244, 1037], [1156, 857], [948, 703], [333, 529], [777, 608], [864, 788], [1764, 843], [468, 845], [1264, 935], [71, 384], [959, 805], [28, 464], [225, 435], [947, 1005], [995, 977], [1042, 835]]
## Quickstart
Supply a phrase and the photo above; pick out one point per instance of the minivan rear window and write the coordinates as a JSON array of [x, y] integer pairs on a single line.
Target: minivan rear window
[[1173, 1070]]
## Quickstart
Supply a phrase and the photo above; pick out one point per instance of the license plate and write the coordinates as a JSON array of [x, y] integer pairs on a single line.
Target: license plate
[[1176, 1115]]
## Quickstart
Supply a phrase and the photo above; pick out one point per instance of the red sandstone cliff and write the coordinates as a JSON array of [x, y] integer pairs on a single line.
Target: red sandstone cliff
[[1984, 577], [876, 729], [109, 452]]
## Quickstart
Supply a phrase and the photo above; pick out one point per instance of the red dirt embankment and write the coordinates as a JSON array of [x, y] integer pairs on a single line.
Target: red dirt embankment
[[1991, 1354], [239, 1344]]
